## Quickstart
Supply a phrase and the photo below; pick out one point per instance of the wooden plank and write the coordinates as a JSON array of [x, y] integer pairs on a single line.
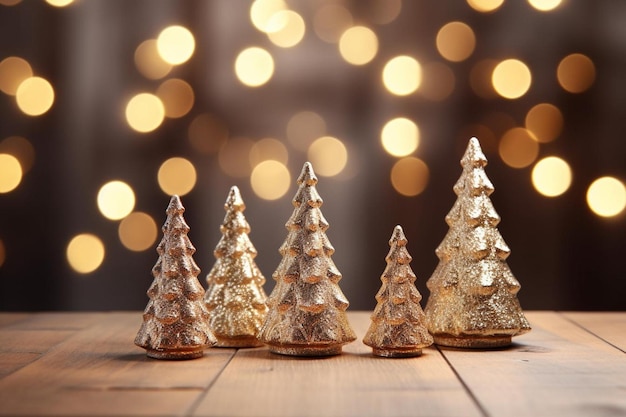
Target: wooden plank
[[557, 369], [99, 371], [609, 326], [7, 319], [259, 383]]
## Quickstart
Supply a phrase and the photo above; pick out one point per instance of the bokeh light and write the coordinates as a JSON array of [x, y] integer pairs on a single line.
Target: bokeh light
[[545, 5], [270, 180], [149, 62], [10, 173], [303, 128], [358, 45], [576, 73], [137, 231], [481, 78], [145, 112], [409, 176], [606, 196], [485, 6], [551, 176], [10, 2], [59, 3], [511, 78], [268, 148], [176, 44], [290, 28], [383, 12], [330, 21], [455, 41], [254, 66], [207, 133], [177, 176], [232, 157], [34, 96], [177, 97], [400, 137], [116, 200], [13, 70], [545, 121], [518, 148], [20, 148], [437, 81], [402, 75], [328, 155], [85, 253], [261, 12]]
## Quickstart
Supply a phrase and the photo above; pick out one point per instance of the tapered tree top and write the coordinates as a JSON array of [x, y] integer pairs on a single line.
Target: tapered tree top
[[234, 200]]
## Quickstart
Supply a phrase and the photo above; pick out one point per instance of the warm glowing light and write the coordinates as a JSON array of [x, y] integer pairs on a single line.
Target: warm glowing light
[[455, 41], [290, 28], [207, 134], [177, 97], [511, 78], [270, 180], [138, 231], [176, 44], [576, 73], [303, 128], [177, 176], [149, 62], [116, 200], [606, 196], [59, 3], [232, 157], [10, 2], [545, 5], [3, 253], [481, 78], [358, 45], [328, 155], [402, 75], [13, 70], [20, 148], [485, 6], [551, 176], [400, 137], [268, 148], [518, 148], [85, 253], [145, 112], [254, 66], [261, 12], [383, 12], [545, 121], [34, 96], [330, 21], [10, 173], [409, 176], [438, 81]]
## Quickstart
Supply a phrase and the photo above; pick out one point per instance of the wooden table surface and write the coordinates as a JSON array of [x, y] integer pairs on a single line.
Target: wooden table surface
[[83, 364]]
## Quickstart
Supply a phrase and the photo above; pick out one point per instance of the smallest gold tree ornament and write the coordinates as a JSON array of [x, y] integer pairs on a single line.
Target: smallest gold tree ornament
[[235, 296], [398, 327], [175, 321]]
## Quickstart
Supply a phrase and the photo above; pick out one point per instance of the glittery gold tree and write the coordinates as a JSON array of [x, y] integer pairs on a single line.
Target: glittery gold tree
[[398, 326], [473, 301], [235, 296], [307, 308], [175, 321]]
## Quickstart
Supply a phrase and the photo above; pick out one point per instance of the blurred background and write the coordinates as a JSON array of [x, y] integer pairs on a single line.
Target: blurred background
[[109, 107]]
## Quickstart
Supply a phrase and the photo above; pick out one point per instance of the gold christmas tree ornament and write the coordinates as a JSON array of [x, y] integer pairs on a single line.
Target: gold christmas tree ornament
[[398, 326], [175, 321], [473, 301], [307, 308], [235, 297]]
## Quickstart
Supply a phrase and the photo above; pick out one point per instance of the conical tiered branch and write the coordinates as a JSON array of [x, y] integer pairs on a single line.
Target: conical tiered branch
[[307, 308], [175, 321], [398, 327], [473, 301], [235, 297]]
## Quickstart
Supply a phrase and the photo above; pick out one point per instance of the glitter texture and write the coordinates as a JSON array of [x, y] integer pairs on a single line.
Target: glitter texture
[[307, 308], [235, 297], [398, 323], [473, 301], [175, 321]]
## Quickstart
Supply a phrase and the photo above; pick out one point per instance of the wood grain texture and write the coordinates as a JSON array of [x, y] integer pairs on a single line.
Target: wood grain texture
[[608, 326]]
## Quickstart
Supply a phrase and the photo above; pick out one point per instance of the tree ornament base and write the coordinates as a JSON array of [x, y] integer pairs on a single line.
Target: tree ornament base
[[473, 342], [307, 350], [238, 342], [397, 352], [176, 354]]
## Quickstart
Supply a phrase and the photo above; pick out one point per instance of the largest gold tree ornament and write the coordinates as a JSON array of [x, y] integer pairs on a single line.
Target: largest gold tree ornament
[[473, 293], [307, 314]]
